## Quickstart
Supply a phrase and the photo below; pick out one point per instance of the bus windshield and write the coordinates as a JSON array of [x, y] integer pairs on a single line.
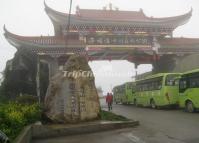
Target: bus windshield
[[171, 80]]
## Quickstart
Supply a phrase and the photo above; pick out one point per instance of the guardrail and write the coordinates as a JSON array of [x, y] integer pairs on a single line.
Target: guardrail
[[3, 138]]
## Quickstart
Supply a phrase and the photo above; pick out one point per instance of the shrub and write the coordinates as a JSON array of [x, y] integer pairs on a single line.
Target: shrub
[[14, 116], [2, 99]]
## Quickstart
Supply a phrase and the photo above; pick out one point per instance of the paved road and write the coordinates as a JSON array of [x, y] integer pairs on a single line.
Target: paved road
[[156, 126], [162, 126], [118, 136]]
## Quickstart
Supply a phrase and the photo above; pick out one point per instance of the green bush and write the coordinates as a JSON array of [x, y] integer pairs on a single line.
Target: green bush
[[14, 116], [2, 99]]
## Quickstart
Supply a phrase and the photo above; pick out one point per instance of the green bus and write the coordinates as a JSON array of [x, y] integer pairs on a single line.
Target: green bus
[[189, 91], [124, 93], [129, 93], [158, 90], [118, 92]]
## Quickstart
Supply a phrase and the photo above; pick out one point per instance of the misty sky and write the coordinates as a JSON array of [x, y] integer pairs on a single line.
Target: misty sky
[[28, 18]]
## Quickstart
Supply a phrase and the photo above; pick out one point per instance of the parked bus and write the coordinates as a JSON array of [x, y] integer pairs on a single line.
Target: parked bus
[[189, 91], [125, 93], [118, 92], [158, 90]]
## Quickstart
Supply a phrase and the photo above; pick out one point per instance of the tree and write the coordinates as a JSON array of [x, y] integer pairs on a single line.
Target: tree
[[20, 75], [1, 77]]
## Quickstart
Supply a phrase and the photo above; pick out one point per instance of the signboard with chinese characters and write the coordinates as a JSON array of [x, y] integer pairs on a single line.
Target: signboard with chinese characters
[[118, 40]]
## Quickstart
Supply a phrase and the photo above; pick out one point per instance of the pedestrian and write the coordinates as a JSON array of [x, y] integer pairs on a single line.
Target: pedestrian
[[109, 101]]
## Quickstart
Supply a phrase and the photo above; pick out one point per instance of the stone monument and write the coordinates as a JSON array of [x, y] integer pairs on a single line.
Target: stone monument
[[72, 95]]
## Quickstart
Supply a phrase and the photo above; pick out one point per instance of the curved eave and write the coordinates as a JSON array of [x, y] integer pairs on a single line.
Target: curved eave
[[12, 39], [50, 10], [176, 20], [170, 22], [31, 42]]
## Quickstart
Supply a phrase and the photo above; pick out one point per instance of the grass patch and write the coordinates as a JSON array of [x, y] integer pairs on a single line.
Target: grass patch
[[109, 116]]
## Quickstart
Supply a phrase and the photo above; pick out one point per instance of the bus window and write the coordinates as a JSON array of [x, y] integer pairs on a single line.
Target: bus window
[[145, 87], [194, 82], [170, 80], [157, 83], [129, 86], [149, 85], [176, 82], [159, 86], [183, 85]]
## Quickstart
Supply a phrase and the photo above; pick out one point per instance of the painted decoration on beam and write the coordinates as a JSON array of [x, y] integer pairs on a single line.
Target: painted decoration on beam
[[118, 40]]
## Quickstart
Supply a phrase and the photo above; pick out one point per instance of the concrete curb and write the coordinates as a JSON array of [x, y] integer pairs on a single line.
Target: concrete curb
[[42, 132], [51, 131], [25, 135]]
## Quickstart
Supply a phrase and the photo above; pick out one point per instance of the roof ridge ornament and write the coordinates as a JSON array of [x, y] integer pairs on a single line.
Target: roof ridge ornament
[[110, 7], [191, 10], [78, 10], [6, 32], [4, 28]]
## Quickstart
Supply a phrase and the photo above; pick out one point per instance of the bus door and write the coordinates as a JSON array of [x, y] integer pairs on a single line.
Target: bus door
[[183, 94]]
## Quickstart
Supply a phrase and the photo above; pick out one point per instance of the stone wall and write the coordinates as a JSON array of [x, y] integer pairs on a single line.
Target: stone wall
[[174, 63], [186, 63]]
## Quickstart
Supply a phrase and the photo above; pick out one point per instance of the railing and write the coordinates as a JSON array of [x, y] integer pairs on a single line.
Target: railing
[[3, 138]]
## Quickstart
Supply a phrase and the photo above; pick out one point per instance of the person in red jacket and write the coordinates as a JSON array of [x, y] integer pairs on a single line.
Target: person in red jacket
[[109, 101]]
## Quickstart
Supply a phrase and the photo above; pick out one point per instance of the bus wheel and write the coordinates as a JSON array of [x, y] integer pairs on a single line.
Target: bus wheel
[[189, 107], [153, 105]]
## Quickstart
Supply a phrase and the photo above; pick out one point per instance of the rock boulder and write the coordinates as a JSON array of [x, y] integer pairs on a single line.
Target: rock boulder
[[72, 95]]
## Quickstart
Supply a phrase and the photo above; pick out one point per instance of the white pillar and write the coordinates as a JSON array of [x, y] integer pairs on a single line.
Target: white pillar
[[53, 67], [156, 45], [38, 80]]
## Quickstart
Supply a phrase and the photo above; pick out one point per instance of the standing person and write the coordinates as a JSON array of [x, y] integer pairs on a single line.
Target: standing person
[[111, 96], [109, 100]]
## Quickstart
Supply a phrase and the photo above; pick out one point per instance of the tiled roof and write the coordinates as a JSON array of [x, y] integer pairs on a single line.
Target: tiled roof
[[42, 40], [112, 15], [117, 15]]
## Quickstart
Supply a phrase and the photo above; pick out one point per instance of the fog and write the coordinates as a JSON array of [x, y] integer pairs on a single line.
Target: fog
[[28, 18]]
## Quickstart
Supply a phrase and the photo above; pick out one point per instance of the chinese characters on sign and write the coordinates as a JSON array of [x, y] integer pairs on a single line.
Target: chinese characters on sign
[[73, 98], [118, 40], [82, 101]]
